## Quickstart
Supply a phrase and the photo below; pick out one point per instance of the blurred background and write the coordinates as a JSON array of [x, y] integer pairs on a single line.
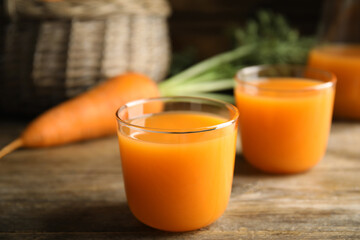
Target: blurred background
[[49, 54], [204, 24]]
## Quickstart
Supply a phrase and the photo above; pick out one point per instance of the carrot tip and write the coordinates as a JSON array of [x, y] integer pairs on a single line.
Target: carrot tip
[[11, 147]]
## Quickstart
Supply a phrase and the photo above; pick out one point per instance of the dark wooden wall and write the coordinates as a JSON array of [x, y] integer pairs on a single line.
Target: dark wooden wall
[[202, 24]]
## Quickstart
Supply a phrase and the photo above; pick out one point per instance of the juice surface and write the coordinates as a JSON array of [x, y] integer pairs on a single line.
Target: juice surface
[[178, 182], [284, 130], [344, 62]]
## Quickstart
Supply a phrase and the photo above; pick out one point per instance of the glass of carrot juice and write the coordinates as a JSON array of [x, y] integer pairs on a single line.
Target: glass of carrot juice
[[338, 51], [177, 157], [285, 116]]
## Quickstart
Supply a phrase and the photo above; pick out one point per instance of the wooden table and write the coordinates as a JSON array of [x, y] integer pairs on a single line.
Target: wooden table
[[77, 192]]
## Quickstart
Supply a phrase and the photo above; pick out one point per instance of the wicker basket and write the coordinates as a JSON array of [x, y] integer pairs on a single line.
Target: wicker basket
[[54, 50]]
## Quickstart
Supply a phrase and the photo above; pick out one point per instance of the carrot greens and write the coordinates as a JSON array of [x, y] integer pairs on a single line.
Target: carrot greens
[[266, 40]]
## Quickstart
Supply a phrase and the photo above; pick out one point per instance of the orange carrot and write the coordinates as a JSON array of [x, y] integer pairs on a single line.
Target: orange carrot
[[88, 116], [91, 115]]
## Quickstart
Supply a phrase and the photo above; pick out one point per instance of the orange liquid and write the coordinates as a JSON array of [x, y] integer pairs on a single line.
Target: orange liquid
[[344, 62], [178, 182], [284, 132]]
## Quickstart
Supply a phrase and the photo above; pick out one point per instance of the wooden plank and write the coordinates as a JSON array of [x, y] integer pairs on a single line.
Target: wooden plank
[[76, 192], [224, 235]]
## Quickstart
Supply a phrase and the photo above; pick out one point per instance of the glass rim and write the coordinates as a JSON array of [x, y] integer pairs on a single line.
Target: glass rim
[[230, 107], [252, 69]]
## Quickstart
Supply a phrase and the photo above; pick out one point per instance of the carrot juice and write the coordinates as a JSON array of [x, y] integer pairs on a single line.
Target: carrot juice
[[178, 166], [284, 121], [344, 62]]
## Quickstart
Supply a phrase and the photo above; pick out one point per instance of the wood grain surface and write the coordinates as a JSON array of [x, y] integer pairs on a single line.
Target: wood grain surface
[[76, 192]]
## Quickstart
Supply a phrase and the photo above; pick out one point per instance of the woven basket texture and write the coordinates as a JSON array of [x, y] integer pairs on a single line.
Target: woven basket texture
[[54, 50]]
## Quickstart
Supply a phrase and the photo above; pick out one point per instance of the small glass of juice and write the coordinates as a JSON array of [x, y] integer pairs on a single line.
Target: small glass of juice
[[177, 157], [338, 51], [285, 116]]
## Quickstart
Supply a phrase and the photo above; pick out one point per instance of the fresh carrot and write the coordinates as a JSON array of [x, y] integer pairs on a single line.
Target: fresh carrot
[[90, 115]]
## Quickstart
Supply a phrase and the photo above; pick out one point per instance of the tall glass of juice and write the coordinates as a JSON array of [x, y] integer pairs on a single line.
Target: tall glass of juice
[[338, 51], [285, 116], [177, 157]]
